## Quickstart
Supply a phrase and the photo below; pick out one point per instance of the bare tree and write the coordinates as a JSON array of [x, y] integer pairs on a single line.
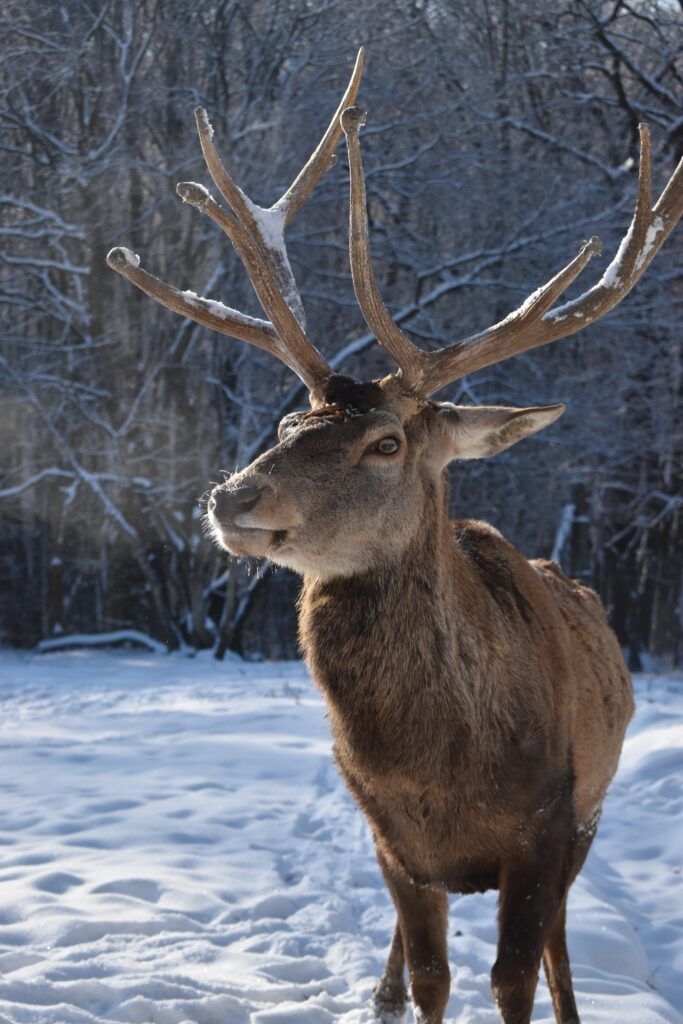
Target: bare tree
[[515, 118]]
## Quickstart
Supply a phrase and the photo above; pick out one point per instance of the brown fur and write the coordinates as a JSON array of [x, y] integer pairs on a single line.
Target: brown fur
[[478, 700]]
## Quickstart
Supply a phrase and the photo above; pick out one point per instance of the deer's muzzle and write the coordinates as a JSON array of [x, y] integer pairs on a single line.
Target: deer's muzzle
[[246, 516]]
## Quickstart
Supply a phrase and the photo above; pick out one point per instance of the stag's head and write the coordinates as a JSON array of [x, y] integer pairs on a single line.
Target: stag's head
[[350, 480]]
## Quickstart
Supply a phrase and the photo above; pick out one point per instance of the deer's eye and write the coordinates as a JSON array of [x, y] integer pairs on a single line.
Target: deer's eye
[[388, 446]]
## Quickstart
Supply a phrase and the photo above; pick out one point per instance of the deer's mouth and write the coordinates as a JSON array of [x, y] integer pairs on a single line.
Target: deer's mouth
[[247, 519], [249, 541]]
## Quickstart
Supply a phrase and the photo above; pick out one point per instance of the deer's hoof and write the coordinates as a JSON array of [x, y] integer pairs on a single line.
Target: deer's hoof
[[390, 1003]]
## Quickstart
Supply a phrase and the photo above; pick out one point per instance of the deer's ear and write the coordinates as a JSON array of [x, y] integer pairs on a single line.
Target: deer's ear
[[473, 432]]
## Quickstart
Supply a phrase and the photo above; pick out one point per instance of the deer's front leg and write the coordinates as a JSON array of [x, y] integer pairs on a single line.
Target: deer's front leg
[[390, 996], [531, 896], [422, 924]]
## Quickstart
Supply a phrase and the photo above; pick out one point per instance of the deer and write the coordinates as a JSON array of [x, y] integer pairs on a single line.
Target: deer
[[478, 700]]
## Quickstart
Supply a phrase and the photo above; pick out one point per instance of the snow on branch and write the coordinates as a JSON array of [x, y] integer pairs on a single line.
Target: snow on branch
[[118, 636]]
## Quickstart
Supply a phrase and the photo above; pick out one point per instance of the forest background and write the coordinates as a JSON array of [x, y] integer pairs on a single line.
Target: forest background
[[500, 135]]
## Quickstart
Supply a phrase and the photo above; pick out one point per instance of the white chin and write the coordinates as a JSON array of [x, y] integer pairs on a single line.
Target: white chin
[[246, 542]]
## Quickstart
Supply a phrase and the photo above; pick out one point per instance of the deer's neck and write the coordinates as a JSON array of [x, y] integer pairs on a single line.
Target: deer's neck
[[401, 628], [414, 657]]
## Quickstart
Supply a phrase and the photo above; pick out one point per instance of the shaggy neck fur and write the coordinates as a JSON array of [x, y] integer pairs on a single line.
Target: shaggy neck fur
[[410, 643]]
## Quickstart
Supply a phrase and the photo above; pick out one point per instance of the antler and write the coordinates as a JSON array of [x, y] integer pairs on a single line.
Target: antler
[[257, 235], [534, 323]]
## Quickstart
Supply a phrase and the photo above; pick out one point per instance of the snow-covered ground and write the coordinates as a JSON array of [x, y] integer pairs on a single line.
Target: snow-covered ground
[[176, 847]]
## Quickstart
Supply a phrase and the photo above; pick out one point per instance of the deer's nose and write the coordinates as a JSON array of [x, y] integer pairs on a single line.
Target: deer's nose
[[228, 502]]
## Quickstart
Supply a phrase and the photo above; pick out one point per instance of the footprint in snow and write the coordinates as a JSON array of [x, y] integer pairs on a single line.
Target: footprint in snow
[[306, 826], [92, 844], [299, 970], [190, 839], [107, 806], [136, 888], [69, 828], [58, 882], [197, 787], [276, 906], [15, 961], [29, 859]]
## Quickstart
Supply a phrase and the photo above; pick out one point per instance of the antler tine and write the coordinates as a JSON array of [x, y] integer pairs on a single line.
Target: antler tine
[[407, 356], [534, 323], [292, 345], [257, 236], [231, 192], [267, 225], [205, 312], [322, 157], [264, 227], [320, 161], [211, 314]]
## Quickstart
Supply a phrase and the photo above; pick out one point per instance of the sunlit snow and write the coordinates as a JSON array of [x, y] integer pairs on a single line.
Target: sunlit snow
[[177, 848]]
